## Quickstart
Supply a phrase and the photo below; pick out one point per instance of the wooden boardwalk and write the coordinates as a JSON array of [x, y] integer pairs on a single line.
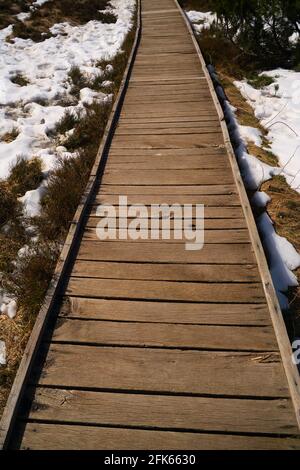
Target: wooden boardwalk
[[156, 346]]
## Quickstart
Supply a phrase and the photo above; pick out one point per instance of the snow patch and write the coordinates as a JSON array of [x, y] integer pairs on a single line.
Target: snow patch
[[201, 20], [277, 106], [2, 353]]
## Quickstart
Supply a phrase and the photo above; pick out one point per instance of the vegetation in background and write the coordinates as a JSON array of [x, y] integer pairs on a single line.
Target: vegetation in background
[[259, 29]]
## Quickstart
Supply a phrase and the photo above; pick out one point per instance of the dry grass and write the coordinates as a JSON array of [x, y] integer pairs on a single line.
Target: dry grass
[[9, 137], [10, 8], [25, 175], [37, 26], [20, 80]]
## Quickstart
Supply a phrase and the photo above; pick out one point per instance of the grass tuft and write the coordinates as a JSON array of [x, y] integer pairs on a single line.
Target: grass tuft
[[25, 175], [20, 79], [67, 122], [260, 81], [9, 137], [9, 205]]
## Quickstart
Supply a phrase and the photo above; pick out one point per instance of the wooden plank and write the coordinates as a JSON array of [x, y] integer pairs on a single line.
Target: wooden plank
[[144, 163], [71, 437], [210, 236], [209, 129], [162, 370], [209, 213], [102, 438], [161, 177], [210, 224], [156, 335], [164, 412], [168, 141], [172, 108], [208, 151], [168, 190], [123, 125], [165, 253], [229, 200], [165, 290], [166, 272], [168, 312]]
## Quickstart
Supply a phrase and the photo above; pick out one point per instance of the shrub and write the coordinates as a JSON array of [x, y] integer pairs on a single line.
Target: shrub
[[10, 136], [20, 80], [90, 127], [9, 205], [261, 28], [67, 122]]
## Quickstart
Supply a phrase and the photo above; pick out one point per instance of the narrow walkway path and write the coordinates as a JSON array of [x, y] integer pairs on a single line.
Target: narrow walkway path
[[156, 346]]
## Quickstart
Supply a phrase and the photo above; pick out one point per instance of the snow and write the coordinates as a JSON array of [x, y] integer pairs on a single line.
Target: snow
[[23, 16], [201, 20], [2, 353], [31, 201], [38, 3], [277, 106], [251, 134], [260, 199], [282, 257]]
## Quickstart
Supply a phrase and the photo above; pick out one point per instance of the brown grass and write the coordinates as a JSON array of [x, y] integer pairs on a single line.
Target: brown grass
[[10, 136], [10, 8], [29, 280], [37, 26]]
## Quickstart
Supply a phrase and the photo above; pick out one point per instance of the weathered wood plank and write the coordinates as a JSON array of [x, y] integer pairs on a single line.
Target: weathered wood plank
[[167, 272], [161, 370], [207, 190], [166, 312], [209, 213], [161, 177], [238, 338], [165, 290], [67, 437], [164, 412], [210, 224], [210, 236], [139, 200], [165, 253], [167, 141], [209, 129]]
